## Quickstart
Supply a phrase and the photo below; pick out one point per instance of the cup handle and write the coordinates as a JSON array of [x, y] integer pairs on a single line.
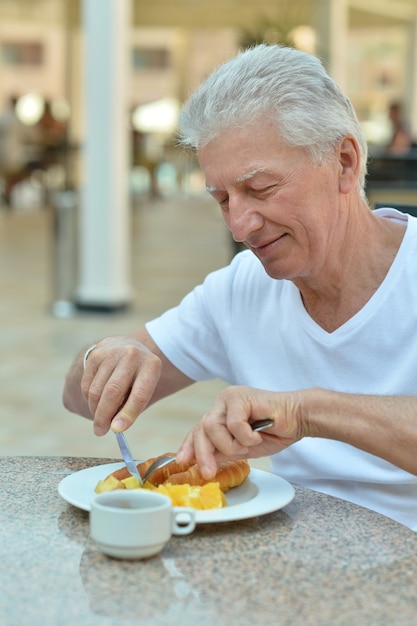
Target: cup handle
[[183, 520]]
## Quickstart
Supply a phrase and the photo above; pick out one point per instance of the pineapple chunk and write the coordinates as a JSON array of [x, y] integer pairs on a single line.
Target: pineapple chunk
[[160, 489], [109, 484], [131, 482]]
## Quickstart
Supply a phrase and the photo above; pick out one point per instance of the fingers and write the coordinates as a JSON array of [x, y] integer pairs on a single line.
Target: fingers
[[215, 439], [206, 462], [197, 446], [118, 383], [138, 398], [225, 430], [228, 422]]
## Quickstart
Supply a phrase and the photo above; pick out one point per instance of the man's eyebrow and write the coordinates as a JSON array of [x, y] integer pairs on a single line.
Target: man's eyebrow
[[241, 179], [251, 174]]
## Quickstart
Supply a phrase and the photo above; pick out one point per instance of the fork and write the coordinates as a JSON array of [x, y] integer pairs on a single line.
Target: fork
[[161, 461]]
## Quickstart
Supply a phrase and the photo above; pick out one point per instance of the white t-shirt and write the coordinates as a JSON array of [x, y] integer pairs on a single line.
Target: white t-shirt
[[246, 328]]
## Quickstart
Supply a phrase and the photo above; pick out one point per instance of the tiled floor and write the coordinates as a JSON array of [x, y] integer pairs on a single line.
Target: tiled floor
[[175, 243]]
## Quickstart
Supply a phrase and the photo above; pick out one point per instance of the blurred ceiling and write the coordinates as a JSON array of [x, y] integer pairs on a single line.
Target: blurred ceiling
[[217, 13], [222, 13]]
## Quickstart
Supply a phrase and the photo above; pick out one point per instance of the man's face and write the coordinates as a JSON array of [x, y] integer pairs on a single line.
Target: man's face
[[273, 198]]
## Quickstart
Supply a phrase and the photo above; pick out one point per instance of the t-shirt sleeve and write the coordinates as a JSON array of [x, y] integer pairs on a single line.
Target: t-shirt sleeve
[[194, 335]]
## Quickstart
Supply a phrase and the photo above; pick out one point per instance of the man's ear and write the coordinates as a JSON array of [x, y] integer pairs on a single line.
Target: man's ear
[[349, 159]]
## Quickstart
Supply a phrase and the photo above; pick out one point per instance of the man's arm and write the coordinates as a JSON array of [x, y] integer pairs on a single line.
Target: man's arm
[[385, 426]]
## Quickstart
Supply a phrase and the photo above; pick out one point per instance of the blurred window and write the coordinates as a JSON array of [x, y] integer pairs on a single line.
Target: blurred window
[[21, 53], [150, 58]]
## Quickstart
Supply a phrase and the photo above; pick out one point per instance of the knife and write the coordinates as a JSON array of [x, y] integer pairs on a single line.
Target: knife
[[127, 456]]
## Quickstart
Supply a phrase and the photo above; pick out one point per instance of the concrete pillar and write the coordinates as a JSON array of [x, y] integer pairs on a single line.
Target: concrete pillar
[[411, 93], [332, 24], [104, 225]]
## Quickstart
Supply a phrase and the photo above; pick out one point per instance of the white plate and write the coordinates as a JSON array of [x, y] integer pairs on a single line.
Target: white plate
[[261, 493]]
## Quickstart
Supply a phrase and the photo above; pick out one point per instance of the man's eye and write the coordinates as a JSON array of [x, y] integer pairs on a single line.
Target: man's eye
[[263, 190]]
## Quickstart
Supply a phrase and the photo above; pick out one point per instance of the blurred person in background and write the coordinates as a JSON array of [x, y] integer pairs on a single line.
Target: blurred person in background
[[52, 134], [15, 140], [307, 326], [401, 141]]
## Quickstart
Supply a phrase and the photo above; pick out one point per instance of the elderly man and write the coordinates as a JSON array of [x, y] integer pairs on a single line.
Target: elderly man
[[308, 324]]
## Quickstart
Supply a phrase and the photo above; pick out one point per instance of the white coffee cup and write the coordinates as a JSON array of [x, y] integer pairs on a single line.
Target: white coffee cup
[[136, 524]]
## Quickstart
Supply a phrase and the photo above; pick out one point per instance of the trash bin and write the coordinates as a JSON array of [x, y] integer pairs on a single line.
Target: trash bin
[[65, 240]]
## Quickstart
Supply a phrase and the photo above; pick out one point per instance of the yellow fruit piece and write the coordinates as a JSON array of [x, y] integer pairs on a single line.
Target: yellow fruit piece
[[193, 499], [109, 484], [159, 489], [208, 496], [131, 482], [179, 494], [148, 485]]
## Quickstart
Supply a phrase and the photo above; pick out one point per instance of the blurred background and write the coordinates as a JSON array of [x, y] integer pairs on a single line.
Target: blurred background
[[104, 222]]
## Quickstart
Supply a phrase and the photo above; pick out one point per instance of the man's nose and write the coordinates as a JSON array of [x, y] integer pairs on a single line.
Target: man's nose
[[242, 219]]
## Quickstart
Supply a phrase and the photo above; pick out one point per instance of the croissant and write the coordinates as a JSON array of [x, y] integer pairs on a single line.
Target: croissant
[[160, 475], [229, 473]]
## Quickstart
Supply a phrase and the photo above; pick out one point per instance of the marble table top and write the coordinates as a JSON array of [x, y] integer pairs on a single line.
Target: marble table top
[[318, 561]]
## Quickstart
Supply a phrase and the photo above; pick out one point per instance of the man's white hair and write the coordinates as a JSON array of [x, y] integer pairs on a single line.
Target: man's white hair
[[281, 84]]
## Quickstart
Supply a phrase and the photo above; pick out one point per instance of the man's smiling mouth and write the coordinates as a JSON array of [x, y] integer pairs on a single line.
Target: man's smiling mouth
[[263, 247]]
